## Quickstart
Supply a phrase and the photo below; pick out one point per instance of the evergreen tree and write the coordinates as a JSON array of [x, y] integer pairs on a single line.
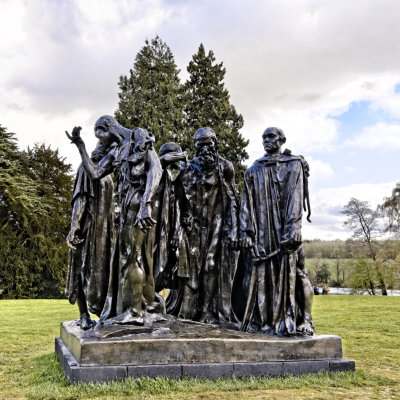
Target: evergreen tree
[[207, 104], [150, 96], [21, 208], [55, 185], [35, 190]]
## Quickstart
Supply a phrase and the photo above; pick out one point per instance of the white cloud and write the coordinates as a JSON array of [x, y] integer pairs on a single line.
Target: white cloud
[[381, 137], [311, 126], [326, 204], [390, 102], [319, 169], [296, 65]]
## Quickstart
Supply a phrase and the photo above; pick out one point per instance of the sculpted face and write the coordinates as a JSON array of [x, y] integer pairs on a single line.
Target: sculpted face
[[102, 133], [206, 151], [104, 129], [272, 141]]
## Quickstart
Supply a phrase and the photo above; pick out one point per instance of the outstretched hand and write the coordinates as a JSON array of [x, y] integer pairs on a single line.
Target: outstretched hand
[[75, 136]]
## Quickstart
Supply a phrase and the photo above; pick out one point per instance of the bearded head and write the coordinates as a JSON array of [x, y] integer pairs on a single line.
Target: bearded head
[[206, 145]]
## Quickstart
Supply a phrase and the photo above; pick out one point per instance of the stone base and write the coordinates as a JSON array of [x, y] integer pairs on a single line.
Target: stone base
[[176, 349]]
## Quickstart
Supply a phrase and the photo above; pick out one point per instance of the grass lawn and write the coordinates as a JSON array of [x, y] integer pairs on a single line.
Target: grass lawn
[[369, 327]]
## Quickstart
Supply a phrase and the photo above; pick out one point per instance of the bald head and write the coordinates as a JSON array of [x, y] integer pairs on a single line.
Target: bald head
[[273, 139]]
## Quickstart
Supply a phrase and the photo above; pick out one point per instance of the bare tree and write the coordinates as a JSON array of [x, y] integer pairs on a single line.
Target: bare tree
[[364, 222]]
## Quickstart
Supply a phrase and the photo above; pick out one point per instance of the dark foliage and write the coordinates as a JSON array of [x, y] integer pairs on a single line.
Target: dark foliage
[[35, 190], [207, 104], [151, 95]]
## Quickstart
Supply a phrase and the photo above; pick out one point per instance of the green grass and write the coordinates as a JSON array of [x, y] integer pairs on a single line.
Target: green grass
[[369, 327]]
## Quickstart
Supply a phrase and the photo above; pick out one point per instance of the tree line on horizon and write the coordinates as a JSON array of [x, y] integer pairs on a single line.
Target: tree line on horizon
[[36, 184], [369, 261]]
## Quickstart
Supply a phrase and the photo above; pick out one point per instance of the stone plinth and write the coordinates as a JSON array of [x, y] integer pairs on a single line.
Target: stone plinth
[[175, 348]]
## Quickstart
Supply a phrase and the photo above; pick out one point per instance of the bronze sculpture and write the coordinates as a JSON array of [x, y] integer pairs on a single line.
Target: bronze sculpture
[[137, 172], [165, 250], [206, 234], [90, 239], [272, 292], [181, 234]]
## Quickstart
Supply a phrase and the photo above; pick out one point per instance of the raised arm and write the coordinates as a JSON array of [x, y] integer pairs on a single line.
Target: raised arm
[[94, 171], [172, 157]]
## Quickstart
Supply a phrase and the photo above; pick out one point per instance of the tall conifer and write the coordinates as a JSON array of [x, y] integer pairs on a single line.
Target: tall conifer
[[150, 96], [35, 190], [207, 104]]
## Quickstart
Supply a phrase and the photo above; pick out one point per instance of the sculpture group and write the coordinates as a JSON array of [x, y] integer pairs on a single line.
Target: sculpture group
[[236, 263]]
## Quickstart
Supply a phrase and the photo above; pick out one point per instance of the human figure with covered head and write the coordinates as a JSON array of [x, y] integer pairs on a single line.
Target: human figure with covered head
[[206, 234], [271, 290]]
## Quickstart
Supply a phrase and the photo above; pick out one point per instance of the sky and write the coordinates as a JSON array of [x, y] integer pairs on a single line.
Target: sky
[[326, 72]]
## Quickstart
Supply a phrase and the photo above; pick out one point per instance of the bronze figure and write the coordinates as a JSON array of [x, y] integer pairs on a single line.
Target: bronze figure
[[271, 290], [206, 234], [90, 239], [165, 250], [137, 173]]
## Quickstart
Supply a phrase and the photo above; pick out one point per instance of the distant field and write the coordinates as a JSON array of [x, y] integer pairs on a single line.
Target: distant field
[[368, 325]]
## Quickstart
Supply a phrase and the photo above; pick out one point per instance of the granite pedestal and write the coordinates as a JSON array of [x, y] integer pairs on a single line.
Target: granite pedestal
[[177, 348]]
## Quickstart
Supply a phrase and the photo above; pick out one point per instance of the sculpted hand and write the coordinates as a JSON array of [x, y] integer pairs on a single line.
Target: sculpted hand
[[233, 242], [174, 244], [289, 245], [187, 222], [73, 240], [246, 242], [144, 220], [75, 137]]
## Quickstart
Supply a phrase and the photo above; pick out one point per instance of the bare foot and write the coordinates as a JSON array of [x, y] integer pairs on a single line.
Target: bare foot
[[86, 323], [207, 318], [306, 328], [158, 305], [131, 316]]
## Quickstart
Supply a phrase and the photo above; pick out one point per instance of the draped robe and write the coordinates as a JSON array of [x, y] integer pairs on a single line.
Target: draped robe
[[207, 205], [90, 262], [138, 171], [271, 214]]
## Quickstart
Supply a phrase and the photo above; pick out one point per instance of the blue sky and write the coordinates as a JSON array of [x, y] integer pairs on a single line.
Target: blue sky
[[327, 73]]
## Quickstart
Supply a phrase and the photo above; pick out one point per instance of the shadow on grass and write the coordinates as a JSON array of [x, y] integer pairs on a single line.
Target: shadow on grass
[[46, 381]]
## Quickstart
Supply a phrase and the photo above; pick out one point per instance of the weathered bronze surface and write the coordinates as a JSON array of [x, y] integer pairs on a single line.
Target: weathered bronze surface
[[183, 234], [206, 234], [182, 341], [137, 171], [90, 239], [272, 292], [165, 250]]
